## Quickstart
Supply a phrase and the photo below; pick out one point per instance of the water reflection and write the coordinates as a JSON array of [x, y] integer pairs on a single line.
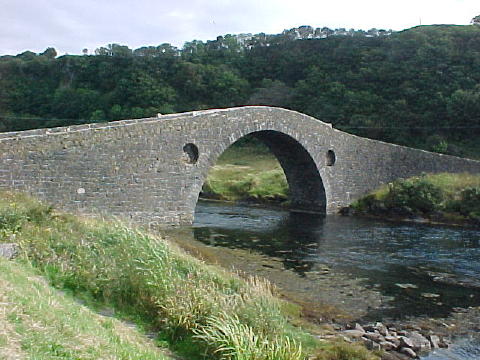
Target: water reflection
[[293, 237], [428, 270]]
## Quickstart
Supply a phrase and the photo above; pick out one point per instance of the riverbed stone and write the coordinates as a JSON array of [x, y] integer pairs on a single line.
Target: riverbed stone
[[420, 343], [434, 341], [374, 336], [393, 355], [354, 333], [9, 250], [387, 345], [444, 343], [359, 327], [393, 339], [406, 342], [409, 352], [381, 328], [372, 345]]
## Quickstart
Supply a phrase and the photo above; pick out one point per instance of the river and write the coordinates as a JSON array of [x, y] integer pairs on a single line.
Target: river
[[417, 270]]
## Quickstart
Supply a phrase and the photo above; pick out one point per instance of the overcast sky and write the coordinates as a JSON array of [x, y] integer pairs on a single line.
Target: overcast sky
[[72, 25]]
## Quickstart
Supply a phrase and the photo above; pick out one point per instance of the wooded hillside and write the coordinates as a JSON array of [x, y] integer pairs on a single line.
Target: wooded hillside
[[419, 87]]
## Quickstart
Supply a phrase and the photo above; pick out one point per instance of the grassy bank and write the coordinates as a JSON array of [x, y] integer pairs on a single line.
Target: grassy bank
[[38, 322], [441, 197], [199, 311], [248, 173]]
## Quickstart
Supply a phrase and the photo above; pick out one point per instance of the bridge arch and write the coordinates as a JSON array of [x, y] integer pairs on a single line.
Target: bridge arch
[[306, 186]]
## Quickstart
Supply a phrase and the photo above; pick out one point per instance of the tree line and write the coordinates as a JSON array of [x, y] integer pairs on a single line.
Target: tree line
[[419, 87]]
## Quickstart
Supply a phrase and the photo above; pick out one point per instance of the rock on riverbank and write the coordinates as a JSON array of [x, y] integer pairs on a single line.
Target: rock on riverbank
[[8, 250], [398, 343]]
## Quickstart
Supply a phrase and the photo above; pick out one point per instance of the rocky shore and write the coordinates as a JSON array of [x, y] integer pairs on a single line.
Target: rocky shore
[[415, 337], [397, 343]]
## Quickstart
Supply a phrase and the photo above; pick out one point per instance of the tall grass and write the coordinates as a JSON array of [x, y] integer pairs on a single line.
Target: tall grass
[[38, 322], [229, 338], [139, 272], [18, 209], [214, 312], [453, 184]]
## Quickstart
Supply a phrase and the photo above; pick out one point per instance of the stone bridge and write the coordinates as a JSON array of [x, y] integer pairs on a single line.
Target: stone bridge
[[152, 170]]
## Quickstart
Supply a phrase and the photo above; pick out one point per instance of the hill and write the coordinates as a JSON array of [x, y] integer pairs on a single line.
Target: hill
[[419, 87]]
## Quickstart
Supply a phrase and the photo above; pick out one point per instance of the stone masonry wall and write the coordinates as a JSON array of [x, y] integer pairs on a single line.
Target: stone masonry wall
[[141, 169]]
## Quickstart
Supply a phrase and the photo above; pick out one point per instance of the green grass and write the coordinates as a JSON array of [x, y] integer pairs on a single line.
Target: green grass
[[199, 310], [453, 184], [247, 173], [450, 184], [38, 322]]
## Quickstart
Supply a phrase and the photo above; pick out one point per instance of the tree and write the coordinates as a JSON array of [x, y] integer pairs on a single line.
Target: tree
[[49, 53], [144, 90], [70, 103], [114, 50], [27, 55], [271, 93], [464, 108], [163, 50], [117, 113], [401, 88], [98, 115]]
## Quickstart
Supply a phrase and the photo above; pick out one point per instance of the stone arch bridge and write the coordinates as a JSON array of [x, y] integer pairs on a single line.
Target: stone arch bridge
[[152, 170]]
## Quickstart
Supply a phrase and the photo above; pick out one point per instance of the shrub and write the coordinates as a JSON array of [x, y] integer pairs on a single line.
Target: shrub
[[366, 204], [454, 197], [471, 198], [17, 210], [416, 193], [468, 204]]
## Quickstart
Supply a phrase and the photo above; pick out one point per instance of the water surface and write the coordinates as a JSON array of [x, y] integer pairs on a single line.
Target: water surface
[[426, 270]]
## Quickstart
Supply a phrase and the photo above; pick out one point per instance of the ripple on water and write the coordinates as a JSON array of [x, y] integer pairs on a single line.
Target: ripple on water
[[467, 348], [437, 260]]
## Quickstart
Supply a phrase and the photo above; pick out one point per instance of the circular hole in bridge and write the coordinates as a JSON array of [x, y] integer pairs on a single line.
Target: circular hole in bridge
[[191, 152], [331, 158]]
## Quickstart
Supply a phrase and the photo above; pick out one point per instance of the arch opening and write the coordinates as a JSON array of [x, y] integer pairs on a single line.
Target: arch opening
[[306, 189], [330, 158], [305, 186], [191, 153]]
